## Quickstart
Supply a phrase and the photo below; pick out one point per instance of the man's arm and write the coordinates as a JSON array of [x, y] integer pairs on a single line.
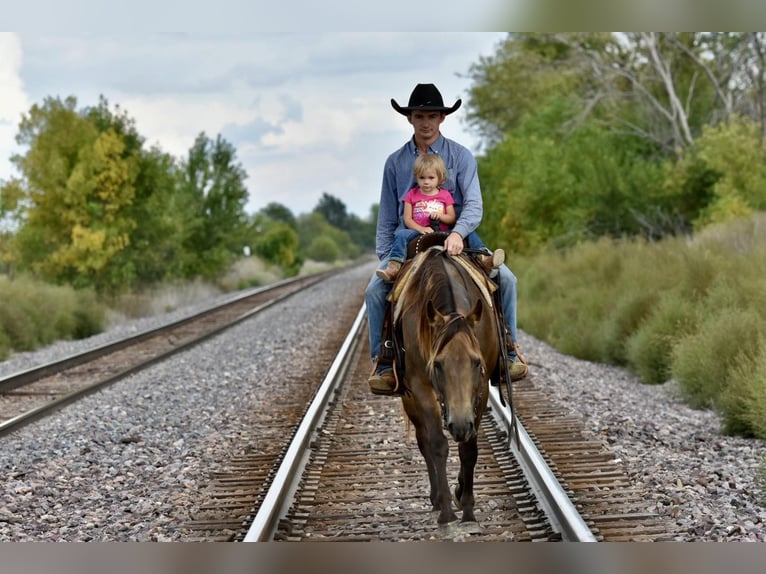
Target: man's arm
[[388, 212], [467, 183]]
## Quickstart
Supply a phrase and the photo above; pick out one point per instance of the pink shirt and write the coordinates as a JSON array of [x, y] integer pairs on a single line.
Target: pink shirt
[[424, 205]]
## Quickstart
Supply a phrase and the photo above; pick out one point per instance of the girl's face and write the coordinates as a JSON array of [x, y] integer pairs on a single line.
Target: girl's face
[[428, 181]]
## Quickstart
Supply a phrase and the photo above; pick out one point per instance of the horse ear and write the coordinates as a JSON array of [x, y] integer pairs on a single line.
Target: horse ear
[[475, 315], [433, 315]]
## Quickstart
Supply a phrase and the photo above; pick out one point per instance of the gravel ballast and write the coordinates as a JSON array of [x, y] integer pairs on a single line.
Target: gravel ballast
[[128, 463]]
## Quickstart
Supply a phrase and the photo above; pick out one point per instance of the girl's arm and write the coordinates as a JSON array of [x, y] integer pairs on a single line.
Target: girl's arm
[[411, 223], [449, 217]]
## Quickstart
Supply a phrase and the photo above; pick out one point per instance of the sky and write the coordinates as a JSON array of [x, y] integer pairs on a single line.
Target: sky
[[307, 112]]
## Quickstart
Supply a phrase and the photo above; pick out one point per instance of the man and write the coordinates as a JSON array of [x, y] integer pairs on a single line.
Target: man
[[426, 112]]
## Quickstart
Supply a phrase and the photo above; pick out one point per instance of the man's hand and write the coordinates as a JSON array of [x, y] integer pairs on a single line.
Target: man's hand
[[454, 244]]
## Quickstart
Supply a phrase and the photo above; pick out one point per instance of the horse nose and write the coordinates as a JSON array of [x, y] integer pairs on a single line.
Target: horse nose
[[461, 431]]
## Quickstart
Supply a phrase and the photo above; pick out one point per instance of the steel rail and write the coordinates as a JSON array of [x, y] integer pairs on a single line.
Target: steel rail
[[50, 407], [285, 483], [553, 499], [21, 378], [555, 503]]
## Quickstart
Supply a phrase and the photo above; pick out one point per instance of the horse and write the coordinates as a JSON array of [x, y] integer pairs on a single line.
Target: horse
[[446, 325]]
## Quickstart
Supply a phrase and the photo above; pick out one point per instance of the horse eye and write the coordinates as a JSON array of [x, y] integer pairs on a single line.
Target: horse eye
[[438, 367]]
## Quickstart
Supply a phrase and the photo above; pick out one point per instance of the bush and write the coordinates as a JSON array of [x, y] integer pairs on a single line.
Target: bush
[[689, 308], [703, 361], [34, 314], [649, 349], [744, 401], [323, 249], [629, 311], [5, 345]]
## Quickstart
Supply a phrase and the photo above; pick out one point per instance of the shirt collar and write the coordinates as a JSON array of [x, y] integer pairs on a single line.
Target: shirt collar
[[435, 147]]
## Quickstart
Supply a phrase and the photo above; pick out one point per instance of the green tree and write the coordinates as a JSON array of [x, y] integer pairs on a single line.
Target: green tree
[[333, 210], [77, 188], [278, 212], [212, 183], [278, 245], [313, 225], [362, 232], [155, 251]]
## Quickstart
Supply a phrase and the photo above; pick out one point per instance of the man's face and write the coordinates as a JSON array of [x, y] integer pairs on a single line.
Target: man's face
[[426, 124]]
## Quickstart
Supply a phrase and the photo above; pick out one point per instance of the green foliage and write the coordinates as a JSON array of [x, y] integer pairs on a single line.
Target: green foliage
[[77, 183], [587, 135], [277, 212], [278, 245], [213, 188], [543, 185], [333, 210], [690, 309], [313, 225], [737, 154], [323, 248], [649, 349], [744, 400], [361, 232], [703, 361], [524, 73], [35, 314]]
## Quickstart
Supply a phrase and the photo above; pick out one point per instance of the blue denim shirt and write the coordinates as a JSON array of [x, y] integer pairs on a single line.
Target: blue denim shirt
[[462, 182]]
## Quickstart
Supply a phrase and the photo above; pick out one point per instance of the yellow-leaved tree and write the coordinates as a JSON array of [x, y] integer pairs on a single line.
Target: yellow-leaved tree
[[74, 195]]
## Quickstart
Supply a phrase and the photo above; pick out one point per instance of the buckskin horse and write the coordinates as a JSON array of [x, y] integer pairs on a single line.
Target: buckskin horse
[[446, 325]]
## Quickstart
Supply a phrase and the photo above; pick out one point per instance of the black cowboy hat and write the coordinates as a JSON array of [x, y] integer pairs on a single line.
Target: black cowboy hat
[[425, 97]]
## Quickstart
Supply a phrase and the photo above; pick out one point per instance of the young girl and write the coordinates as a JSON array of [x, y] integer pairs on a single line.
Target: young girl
[[426, 207]]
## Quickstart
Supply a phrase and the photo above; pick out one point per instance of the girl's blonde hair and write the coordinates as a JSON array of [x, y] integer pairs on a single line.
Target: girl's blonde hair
[[430, 161]]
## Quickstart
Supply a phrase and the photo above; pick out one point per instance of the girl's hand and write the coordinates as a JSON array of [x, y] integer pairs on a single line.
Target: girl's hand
[[435, 216]]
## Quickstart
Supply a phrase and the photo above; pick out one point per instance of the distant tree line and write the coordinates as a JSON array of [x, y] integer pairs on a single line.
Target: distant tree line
[[95, 207]]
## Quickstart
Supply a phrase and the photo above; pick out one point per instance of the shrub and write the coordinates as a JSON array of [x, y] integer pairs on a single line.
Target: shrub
[[743, 403], [5, 344], [649, 349], [630, 310], [34, 314], [703, 362], [323, 248]]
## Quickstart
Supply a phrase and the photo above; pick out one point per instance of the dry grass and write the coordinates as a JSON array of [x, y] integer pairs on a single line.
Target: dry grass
[[691, 309]]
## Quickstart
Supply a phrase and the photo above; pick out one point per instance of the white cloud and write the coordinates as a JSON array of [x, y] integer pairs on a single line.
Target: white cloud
[[13, 99], [173, 123], [308, 113]]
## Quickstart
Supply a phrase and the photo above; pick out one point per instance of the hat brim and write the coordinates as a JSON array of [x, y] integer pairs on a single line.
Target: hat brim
[[405, 111]]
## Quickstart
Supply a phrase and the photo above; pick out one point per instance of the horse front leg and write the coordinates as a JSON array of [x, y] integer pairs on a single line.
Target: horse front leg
[[434, 447], [469, 453]]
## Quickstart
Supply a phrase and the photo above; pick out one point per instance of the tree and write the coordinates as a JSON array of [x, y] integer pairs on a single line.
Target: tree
[[333, 210], [313, 225], [76, 189], [213, 184], [526, 70], [277, 212], [362, 232]]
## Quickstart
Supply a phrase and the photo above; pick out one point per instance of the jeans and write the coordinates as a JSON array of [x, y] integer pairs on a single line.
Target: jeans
[[377, 291]]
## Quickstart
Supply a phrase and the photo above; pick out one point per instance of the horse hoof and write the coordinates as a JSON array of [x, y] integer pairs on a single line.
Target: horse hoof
[[449, 530], [470, 527]]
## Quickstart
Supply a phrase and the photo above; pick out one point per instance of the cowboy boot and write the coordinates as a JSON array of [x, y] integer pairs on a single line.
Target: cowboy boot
[[390, 272], [517, 364], [490, 263]]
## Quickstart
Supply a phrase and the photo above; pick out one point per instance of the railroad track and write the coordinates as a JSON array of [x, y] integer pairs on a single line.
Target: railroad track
[[359, 475], [29, 395], [352, 472]]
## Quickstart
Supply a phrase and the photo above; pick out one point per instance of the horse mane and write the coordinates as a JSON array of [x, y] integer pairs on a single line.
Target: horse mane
[[432, 282]]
